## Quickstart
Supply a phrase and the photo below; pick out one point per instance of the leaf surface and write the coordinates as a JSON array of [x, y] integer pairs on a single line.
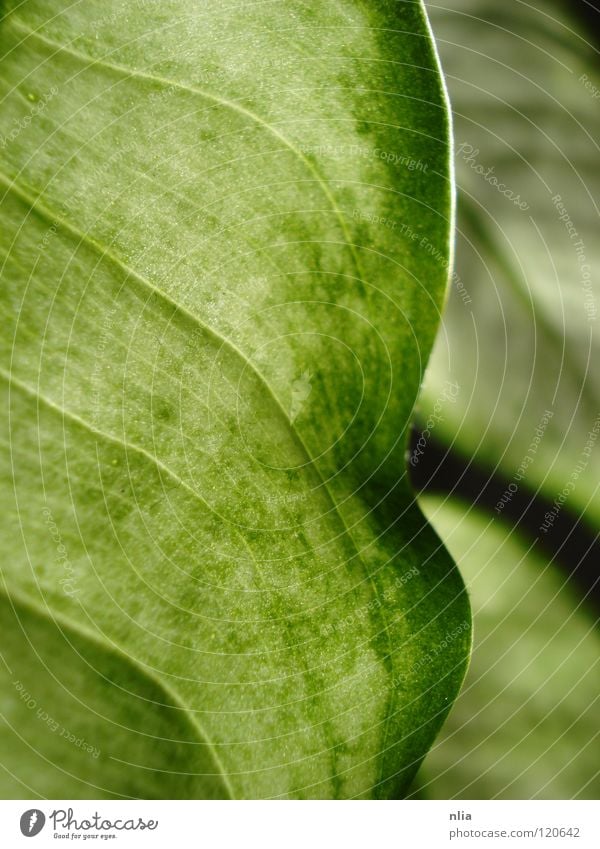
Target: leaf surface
[[214, 331]]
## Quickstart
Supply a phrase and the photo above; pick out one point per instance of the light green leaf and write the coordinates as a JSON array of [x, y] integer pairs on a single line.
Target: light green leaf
[[215, 329], [520, 335], [80, 718], [526, 724]]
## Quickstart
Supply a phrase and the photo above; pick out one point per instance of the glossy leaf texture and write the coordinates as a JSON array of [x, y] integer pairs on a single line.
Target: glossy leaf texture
[[520, 335], [216, 321]]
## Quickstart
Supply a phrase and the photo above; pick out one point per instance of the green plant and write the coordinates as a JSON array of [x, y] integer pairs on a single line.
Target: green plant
[[227, 238], [215, 330], [521, 347]]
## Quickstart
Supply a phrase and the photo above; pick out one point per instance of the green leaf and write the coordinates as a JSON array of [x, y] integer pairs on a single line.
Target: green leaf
[[520, 335], [82, 719], [216, 326], [526, 723]]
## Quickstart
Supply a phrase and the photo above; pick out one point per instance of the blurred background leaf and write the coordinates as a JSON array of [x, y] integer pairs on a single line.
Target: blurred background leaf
[[510, 413], [526, 724], [525, 98]]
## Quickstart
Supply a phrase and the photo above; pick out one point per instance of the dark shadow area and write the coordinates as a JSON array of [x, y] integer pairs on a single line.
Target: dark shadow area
[[588, 12], [570, 544]]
